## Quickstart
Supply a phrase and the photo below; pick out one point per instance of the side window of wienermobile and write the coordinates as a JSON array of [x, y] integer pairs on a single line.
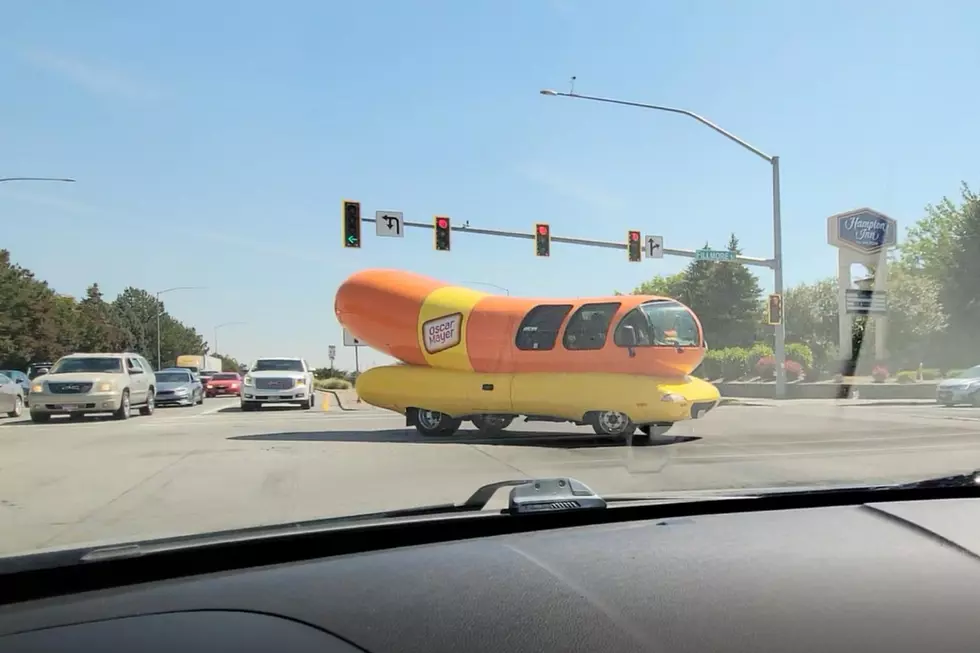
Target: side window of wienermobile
[[539, 329], [671, 324], [633, 330], [589, 325]]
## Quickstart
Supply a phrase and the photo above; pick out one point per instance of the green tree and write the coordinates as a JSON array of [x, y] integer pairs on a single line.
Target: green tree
[[662, 286], [916, 319], [810, 317]]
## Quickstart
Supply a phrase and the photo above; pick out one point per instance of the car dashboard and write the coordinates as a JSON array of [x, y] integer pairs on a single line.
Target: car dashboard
[[891, 576]]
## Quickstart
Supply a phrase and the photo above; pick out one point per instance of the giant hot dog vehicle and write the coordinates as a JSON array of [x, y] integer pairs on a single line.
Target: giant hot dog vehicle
[[616, 363]]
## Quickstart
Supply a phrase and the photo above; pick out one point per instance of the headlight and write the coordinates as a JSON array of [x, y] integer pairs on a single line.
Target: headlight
[[37, 387], [180, 391], [248, 380], [300, 381], [104, 387], [673, 397]]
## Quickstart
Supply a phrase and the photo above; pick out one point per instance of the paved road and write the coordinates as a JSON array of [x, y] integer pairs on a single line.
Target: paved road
[[212, 466]]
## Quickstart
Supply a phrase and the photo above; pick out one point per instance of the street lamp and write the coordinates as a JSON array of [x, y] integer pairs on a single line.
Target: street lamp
[[3, 179], [777, 229], [160, 312], [218, 326], [492, 285]]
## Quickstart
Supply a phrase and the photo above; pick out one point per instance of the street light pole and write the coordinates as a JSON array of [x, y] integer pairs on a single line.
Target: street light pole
[[492, 285], [218, 326], [160, 312], [777, 228]]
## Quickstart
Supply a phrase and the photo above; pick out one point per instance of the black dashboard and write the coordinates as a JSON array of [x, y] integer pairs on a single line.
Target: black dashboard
[[895, 576]]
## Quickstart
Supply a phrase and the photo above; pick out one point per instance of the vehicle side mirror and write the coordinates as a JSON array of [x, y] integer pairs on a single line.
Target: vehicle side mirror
[[134, 372], [629, 336]]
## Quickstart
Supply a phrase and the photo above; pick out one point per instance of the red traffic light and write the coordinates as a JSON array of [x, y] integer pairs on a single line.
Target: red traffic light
[[634, 236], [543, 229], [443, 223]]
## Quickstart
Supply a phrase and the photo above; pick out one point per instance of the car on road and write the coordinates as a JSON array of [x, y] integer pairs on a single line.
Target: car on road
[[11, 396], [20, 379], [224, 383], [278, 381], [178, 386], [81, 384], [962, 389]]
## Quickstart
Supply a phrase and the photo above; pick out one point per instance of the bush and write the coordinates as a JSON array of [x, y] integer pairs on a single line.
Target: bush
[[758, 351], [711, 367], [930, 374], [734, 363], [952, 374], [801, 353], [906, 376], [766, 369], [331, 384], [879, 374]]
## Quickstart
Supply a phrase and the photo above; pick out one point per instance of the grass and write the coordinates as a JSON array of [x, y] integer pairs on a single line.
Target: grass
[[332, 384]]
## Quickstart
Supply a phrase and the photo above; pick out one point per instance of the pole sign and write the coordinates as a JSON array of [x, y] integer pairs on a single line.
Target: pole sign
[[332, 352]]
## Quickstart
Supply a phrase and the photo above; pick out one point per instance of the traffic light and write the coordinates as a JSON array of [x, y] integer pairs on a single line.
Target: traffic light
[[775, 309], [352, 224], [542, 239], [442, 229], [634, 246]]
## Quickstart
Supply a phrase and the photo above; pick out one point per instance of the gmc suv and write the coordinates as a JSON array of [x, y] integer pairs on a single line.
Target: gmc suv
[[278, 381]]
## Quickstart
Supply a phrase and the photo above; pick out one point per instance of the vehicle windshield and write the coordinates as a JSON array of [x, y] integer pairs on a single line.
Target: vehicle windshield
[[277, 365], [972, 373], [173, 377], [656, 247], [87, 364]]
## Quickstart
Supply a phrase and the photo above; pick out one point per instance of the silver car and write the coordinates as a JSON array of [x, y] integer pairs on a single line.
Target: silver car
[[962, 389], [11, 396], [178, 386]]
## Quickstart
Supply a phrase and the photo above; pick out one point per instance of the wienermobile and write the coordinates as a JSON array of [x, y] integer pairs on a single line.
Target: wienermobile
[[616, 363]]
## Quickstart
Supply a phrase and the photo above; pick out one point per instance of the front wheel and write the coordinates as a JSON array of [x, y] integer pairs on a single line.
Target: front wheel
[[612, 423], [147, 409], [249, 406], [433, 423], [40, 418], [18, 408], [310, 403], [123, 411]]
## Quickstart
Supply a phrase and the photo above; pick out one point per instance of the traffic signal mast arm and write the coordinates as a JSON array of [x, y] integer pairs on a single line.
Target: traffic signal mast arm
[[587, 242]]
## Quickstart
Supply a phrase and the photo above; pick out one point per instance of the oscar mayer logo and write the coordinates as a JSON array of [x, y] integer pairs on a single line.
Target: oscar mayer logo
[[441, 333]]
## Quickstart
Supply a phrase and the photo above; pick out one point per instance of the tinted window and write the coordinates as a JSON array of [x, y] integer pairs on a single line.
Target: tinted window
[[588, 326], [87, 364], [277, 365], [225, 377], [173, 377], [539, 330]]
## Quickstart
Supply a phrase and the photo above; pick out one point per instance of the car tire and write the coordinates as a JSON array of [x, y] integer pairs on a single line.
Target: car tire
[[40, 418], [248, 406], [124, 407], [492, 424], [311, 403], [431, 423], [150, 405], [18, 407], [612, 423]]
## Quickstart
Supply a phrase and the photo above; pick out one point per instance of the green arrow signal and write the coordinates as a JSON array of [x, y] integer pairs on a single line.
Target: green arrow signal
[[351, 240]]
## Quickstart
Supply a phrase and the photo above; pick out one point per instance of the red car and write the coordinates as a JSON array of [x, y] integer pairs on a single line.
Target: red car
[[224, 383]]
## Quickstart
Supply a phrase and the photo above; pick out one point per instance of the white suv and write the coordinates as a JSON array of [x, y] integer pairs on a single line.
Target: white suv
[[278, 381]]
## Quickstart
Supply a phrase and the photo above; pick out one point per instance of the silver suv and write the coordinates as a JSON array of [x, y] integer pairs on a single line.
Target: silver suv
[[80, 384]]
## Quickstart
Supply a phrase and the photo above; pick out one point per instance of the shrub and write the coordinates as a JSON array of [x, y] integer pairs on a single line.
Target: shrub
[[766, 368], [711, 367], [930, 374], [879, 374], [953, 374], [906, 376], [331, 384], [734, 363], [758, 351], [801, 353]]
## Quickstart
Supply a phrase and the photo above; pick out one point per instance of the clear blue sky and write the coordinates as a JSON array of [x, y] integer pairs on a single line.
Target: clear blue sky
[[213, 142]]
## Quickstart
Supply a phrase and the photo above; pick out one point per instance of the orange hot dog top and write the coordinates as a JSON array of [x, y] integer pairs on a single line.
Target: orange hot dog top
[[422, 321]]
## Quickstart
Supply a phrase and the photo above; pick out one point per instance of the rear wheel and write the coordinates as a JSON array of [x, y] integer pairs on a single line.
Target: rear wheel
[[433, 423], [40, 418], [492, 424]]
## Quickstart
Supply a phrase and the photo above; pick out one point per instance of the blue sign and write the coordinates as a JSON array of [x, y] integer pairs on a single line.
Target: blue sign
[[865, 230]]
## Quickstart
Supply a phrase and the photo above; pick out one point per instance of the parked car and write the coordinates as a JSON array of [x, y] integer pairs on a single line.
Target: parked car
[[20, 379]]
